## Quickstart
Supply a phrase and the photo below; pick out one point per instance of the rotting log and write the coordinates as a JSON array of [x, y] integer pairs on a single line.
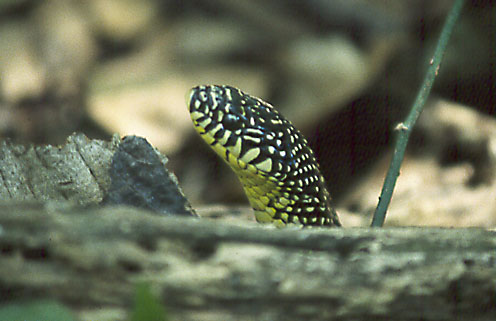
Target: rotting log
[[91, 259]]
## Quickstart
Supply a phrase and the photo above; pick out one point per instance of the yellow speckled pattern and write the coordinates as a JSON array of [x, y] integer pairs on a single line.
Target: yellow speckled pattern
[[278, 170]]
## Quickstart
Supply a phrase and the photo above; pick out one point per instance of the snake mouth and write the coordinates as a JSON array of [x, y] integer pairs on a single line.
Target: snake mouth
[[190, 96], [198, 99]]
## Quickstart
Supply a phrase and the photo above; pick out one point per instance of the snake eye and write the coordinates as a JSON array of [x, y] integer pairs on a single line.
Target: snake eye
[[235, 109], [231, 122], [203, 96]]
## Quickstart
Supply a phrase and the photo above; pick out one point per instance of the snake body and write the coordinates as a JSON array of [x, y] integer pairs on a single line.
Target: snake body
[[278, 170]]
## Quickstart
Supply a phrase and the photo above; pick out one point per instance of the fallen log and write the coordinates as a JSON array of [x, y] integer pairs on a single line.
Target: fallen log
[[91, 259]]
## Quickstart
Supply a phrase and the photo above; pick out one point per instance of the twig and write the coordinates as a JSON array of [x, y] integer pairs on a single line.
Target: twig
[[404, 129]]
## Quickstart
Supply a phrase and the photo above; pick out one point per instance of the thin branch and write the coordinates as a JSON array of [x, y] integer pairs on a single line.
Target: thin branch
[[404, 129]]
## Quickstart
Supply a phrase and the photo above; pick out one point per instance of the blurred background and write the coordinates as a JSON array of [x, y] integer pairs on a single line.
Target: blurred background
[[344, 72]]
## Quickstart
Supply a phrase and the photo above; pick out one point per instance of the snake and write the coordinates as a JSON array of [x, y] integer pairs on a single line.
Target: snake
[[278, 170]]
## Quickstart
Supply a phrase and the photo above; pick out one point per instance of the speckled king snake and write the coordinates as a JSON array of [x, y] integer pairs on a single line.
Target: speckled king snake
[[278, 170]]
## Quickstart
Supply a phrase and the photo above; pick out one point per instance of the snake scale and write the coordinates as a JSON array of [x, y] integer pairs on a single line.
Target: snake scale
[[271, 158]]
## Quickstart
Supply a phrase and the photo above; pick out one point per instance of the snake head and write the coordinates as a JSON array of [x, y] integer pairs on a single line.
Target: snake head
[[245, 127]]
